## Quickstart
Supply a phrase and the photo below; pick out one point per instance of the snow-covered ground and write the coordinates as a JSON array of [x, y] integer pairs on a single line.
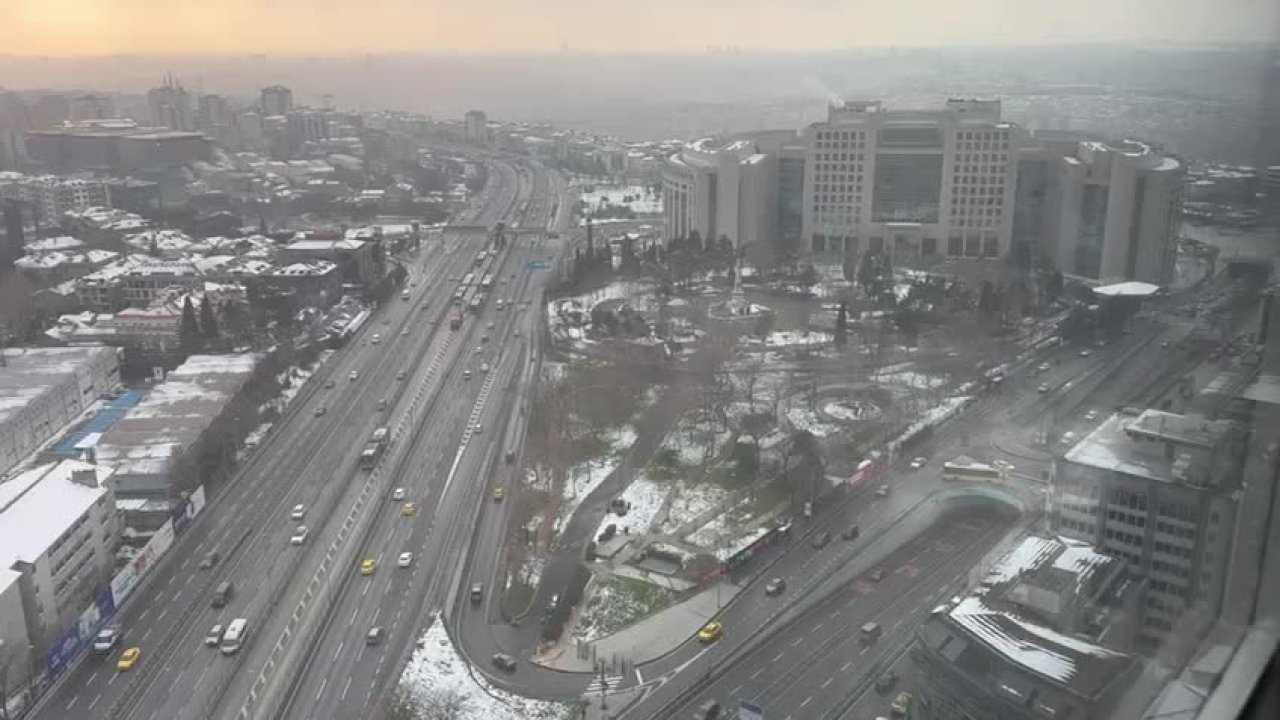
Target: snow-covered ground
[[805, 419], [613, 603], [645, 497], [584, 477], [636, 197], [690, 502], [438, 678], [911, 379], [796, 338], [292, 380]]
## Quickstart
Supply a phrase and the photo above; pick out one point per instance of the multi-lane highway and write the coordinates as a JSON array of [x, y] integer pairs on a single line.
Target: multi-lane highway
[[309, 459]]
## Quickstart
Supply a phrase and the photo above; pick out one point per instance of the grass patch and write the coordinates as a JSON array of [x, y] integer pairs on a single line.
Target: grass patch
[[617, 602]]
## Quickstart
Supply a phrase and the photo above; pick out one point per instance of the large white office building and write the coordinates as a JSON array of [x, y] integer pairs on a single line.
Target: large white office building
[[1098, 210], [911, 183]]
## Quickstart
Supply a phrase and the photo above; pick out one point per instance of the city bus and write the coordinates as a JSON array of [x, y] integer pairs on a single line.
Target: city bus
[[487, 281], [235, 636], [969, 470]]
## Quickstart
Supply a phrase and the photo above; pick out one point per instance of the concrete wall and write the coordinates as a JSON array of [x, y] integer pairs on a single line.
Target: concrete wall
[[15, 658]]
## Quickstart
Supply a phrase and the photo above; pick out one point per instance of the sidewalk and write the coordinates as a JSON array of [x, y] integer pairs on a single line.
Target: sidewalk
[[647, 639]]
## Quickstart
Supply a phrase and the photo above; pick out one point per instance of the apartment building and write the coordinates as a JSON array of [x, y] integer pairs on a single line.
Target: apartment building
[[50, 196], [911, 183], [58, 533], [1160, 490]]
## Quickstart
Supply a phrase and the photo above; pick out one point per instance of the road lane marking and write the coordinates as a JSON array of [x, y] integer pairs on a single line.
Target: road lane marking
[[797, 642], [321, 690], [756, 674], [73, 701], [806, 702], [816, 628], [864, 650], [345, 688], [145, 634], [112, 678], [777, 657], [735, 691], [338, 652], [354, 611], [845, 667], [95, 701], [828, 682]]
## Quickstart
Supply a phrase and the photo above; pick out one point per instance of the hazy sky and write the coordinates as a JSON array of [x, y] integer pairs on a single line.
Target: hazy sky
[[92, 27]]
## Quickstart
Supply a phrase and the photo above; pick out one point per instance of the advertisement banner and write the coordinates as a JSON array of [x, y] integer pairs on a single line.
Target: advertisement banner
[[122, 584]]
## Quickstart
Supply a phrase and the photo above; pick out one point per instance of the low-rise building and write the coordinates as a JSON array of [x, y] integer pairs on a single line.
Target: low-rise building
[[44, 389], [58, 533], [1028, 644], [358, 261], [149, 447]]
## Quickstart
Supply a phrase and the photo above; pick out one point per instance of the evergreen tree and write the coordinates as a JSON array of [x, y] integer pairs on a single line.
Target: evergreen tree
[[208, 322], [189, 329]]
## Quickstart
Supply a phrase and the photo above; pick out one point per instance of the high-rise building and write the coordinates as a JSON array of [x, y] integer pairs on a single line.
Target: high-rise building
[[92, 107], [304, 125], [1160, 490], [276, 100], [214, 117], [911, 183], [14, 237], [476, 127], [1100, 211], [170, 106]]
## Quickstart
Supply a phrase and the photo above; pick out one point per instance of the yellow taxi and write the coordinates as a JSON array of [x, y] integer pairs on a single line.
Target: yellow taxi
[[499, 493], [367, 566], [129, 658], [901, 704], [711, 632], [409, 509]]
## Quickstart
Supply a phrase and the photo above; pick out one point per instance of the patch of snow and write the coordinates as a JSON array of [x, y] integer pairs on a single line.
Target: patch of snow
[[691, 502], [797, 338], [437, 674], [581, 479], [645, 497], [805, 419], [911, 379], [742, 541]]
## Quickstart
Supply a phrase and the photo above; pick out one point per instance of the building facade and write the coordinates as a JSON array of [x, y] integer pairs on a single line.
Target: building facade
[[59, 533], [92, 107], [1159, 490], [1099, 211], [49, 196], [170, 106], [276, 100], [911, 183], [476, 127]]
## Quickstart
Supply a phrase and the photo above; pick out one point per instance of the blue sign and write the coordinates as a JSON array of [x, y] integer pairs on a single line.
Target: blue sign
[[748, 711], [538, 266]]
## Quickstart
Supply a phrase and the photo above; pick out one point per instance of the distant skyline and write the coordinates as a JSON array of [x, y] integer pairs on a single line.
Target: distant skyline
[[328, 27]]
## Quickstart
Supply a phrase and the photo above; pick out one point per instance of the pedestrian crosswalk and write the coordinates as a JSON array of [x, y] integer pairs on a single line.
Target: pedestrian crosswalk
[[610, 682]]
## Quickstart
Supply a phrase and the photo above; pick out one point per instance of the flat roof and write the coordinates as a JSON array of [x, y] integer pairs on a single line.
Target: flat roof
[[30, 372], [1116, 445], [1127, 289], [37, 506]]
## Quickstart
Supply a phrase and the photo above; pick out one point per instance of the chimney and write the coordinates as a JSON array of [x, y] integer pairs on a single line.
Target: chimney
[[87, 477]]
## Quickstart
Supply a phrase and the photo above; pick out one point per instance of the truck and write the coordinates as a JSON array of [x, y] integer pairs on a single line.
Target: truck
[[380, 435], [370, 455], [455, 322]]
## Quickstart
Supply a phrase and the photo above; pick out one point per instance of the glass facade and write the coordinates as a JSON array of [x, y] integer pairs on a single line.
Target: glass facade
[[908, 187]]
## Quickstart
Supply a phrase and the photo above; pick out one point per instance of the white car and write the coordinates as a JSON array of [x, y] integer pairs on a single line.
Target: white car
[[490, 326], [882, 491], [405, 560], [404, 331], [478, 428], [398, 494], [214, 637], [299, 511], [376, 338], [466, 374], [354, 375], [1091, 415], [479, 349], [1067, 438], [299, 535], [484, 367], [917, 463], [400, 375]]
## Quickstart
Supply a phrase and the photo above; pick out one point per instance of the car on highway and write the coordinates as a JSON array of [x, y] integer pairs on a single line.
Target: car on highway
[[919, 462], [477, 592], [901, 704], [399, 494], [886, 681], [129, 658], [328, 384], [775, 587], [368, 565], [320, 411], [375, 635], [517, 332], [299, 512], [484, 367], [1067, 438], [709, 710], [466, 374], [883, 490], [106, 639], [851, 533], [299, 535], [1086, 352], [877, 575], [711, 632], [504, 662], [401, 375], [484, 338], [1165, 344], [1091, 415], [821, 540], [210, 560], [405, 560], [490, 326], [409, 509], [479, 349], [1044, 388], [353, 375], [478, 429], [499, 494], [214, 636], [377, 338], [1043, 367]]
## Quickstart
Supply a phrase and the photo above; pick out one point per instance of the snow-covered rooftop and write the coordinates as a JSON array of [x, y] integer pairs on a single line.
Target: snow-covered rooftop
[[30, 372], [38, 506], [1116, 445], [1128, 289]]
